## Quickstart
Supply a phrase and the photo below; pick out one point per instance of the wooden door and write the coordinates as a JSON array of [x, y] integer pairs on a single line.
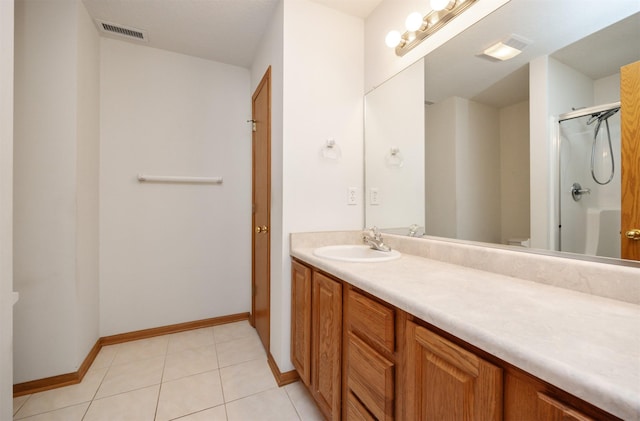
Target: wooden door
[[446, 382], [630, 122], [261, 193], [301, 320], [326, 349]]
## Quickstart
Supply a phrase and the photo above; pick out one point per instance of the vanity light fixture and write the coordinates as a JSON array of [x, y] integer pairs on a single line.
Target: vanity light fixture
[[420, 27]]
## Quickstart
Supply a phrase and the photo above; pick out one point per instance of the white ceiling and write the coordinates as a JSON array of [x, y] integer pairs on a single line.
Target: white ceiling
[[228, 31], [359, 8], [457, 69]]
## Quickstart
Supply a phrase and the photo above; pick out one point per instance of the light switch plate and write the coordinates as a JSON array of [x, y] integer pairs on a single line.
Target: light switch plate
[[352, 196], [374, 196]]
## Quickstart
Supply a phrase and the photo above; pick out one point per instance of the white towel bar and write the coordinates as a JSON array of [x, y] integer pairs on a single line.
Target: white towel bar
[[179, 179]]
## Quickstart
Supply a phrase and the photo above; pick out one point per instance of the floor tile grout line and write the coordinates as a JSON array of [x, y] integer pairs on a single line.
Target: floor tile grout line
[[276, 387], [164, 366], [224, 399], [15, 411], [295, 408], [86, 411]]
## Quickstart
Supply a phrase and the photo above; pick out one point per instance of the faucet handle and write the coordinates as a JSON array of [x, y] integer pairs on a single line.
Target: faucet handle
[[375, 232]]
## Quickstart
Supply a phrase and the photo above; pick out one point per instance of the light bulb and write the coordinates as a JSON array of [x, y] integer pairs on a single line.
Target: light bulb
[[393, 39], [413, 22], [438, 5]]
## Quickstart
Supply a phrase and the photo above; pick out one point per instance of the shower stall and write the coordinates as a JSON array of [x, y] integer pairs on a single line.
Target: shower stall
[[589, 181]]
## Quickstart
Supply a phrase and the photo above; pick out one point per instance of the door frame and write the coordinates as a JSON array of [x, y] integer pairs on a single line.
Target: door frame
[[265, 82]]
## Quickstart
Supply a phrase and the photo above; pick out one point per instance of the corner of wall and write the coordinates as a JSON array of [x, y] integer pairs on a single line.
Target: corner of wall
[[6, 208]]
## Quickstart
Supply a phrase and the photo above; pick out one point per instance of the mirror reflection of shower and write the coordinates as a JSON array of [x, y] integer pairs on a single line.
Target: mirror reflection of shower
[[599, 148], [589, 185]]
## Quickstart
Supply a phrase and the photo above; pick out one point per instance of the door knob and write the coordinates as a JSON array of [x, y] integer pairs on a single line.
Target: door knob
[[258, 230], [633, 234], [265, 229]]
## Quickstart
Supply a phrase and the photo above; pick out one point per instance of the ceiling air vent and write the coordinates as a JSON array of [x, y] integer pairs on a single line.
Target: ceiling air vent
[[108, 28]]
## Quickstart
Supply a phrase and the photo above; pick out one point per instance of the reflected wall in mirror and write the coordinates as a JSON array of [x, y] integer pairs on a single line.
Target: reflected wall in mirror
[[479, 142], [394, 152]]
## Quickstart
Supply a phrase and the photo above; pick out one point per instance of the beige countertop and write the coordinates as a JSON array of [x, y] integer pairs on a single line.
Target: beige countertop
[[585, 344]]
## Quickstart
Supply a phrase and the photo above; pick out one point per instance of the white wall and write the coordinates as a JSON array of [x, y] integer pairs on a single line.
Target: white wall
[[53, 216], [514, 171], [321, 80], [477, 171], [440, 169], [606, 89], [463, 170], [6, 208], [88, 164], [172, 253], [395, 119]]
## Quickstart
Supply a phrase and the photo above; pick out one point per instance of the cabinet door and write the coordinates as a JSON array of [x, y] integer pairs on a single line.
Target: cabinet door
[[326, 348], [301, 320], [529, 399], [447, 382], [550, 409]]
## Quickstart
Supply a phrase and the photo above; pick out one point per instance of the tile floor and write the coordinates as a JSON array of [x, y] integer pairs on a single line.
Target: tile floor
[[210, 374]]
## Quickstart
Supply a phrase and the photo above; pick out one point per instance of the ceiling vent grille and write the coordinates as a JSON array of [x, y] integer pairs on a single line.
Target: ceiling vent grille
[[108, 28], [517, 42]]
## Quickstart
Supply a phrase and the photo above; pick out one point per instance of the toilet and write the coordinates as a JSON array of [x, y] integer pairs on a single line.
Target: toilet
[[520, 242]]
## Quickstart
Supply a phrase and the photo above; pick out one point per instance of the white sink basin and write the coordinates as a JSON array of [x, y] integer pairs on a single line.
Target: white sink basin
[[353, 253]]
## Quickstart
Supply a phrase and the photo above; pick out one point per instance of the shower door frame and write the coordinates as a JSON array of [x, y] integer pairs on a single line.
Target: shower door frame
[[582, 112]]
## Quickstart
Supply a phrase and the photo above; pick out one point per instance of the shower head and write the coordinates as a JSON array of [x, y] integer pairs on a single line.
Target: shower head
[[602, 116], [606, 114]]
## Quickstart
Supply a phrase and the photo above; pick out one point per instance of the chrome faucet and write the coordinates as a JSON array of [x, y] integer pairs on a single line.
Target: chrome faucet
[[373, 237]]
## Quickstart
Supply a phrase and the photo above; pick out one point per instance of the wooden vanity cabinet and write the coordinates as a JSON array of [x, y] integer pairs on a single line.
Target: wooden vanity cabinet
[[446, 382], [316, 336], [364, 359]]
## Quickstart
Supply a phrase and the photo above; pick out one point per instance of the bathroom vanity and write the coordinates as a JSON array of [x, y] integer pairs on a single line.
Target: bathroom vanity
[[421, 337]]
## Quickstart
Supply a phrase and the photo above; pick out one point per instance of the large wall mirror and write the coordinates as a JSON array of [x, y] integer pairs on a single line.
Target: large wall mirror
[[447, 140]]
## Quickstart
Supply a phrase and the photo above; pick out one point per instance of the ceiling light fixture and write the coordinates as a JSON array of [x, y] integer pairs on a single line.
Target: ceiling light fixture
[[419, 27], [501, 51], [507, 48]]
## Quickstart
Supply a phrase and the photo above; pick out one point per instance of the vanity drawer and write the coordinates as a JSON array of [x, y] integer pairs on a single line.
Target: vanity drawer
[[356, 411], [372, 320], [370, 377]]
